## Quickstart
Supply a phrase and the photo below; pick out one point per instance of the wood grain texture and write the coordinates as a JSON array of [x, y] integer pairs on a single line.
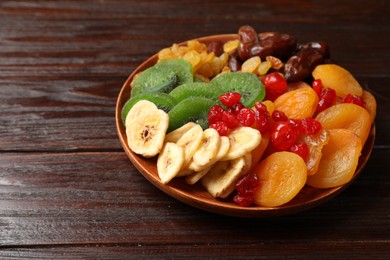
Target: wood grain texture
[[68, 191]]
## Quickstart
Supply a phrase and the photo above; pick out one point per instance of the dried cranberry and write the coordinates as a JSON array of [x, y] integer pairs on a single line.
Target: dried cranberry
[[279, 116], [260, 107], [327, 99], [246, 116], [275, 85], [300, 149], [243, 200], [263, 121], [235, 110], [354, 100], [283, 136], [229, 99], [246, 187], [221, 127], [215, 114], [310, 126], [317, 86], [247, 184], [230, 120]]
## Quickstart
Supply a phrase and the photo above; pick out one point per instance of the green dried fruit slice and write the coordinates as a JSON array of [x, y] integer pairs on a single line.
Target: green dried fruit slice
[[160, 77], [247, 84], [196, 89]]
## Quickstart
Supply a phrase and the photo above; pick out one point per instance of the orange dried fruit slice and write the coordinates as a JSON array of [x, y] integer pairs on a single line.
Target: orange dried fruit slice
[[347, 116], [340, 157], [281, 175], [298, 104], [338, 78]]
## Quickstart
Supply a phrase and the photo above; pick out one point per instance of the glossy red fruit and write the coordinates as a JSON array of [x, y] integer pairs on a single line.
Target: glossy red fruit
[[215, 114], [230, 120], [221, 127], [301, 149], [246, 116], [246, 187], [279, 116], [230, 99], [263, 121], [260, 107], [275, 85], [327, 99], [310, 126], [354, 100], [317, 86], [283, 136]]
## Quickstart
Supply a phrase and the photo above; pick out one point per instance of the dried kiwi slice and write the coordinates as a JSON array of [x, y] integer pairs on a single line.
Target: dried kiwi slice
[[159, 77], [247, 84], [196, 89], [191, 109], [161, 100]]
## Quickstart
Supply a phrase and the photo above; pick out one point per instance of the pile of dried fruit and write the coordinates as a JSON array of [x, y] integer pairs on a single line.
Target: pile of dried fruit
[[254, 119]]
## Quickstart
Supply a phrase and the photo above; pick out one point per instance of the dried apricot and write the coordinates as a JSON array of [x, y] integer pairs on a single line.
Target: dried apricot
[[370, 101], [298, 104], [347, 116], [281, 175], [340, 157], [338, 78]]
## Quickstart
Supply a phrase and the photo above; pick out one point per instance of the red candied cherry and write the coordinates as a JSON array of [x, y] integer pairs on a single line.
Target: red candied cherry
[[243, 200], [236, 108], [301, 149], [275, 85], [283, 136], [221, 127], [263, 121], [260, 107], [246, 187], [229, 99], [215, 114], [327, 99], [296, 124], [279, 116], [317, 86], [310, 126], [354, 100], [246, 116], [230, 120]]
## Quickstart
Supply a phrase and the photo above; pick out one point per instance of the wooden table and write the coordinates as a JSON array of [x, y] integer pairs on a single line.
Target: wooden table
[[67, 189]]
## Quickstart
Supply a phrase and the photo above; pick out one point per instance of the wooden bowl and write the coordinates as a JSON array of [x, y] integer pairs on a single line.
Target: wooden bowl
[[196, 195]]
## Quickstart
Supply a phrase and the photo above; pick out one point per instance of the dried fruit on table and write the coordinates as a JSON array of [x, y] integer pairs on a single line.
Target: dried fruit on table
[[347, 116], [298, 104], [338, 78], [340, 157], [281, 175]]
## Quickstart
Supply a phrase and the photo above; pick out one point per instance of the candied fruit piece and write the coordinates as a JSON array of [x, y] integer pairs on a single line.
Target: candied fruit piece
[[298, 104], [338, 78], [347, 116], [340, 157], [281, 175]]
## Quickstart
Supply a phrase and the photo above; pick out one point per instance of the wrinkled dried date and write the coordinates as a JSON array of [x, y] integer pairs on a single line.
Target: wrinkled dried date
[[234, 63], [264, 44], [300, 66]]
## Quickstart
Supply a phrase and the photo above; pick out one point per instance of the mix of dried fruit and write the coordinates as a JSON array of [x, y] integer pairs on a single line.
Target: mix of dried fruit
[[253, 119]]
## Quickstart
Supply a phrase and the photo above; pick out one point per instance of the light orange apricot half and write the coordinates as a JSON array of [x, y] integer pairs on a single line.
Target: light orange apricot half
[[347, 116], [298, 104], [340, 157], [338, 78], [281, 175]]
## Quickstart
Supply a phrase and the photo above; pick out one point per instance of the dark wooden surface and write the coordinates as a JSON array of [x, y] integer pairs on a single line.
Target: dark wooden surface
[[67, 189]]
